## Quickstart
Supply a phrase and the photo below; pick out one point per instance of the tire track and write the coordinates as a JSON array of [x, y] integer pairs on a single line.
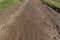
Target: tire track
[[35, 22], [10, 21], [53, 17]]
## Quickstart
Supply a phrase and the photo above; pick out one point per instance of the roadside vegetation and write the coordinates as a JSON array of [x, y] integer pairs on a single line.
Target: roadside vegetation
[[55, 4], [7, 3]]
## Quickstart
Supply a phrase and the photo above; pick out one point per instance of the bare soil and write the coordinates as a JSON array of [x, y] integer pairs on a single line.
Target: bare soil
[[30, 20]]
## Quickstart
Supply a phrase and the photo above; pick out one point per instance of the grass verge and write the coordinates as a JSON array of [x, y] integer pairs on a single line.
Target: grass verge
[[7, 3], [55, 4]]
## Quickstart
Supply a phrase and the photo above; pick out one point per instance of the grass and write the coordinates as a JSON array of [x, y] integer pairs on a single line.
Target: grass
[[55, 4], [7, 3]]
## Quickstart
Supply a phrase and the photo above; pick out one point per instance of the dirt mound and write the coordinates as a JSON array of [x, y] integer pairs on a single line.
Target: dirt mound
[[32, 20]]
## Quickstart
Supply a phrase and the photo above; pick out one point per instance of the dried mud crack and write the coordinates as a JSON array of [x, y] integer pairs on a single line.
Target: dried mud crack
[[30, 20]]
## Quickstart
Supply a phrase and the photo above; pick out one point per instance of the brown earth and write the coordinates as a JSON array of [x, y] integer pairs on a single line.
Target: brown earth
[[30, 20]]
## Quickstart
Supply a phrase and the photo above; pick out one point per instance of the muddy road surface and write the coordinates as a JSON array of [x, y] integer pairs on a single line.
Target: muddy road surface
[[30, 20]]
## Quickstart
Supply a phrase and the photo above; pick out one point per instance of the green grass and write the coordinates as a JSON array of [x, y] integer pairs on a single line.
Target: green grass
[[55, 4], [7, 3]]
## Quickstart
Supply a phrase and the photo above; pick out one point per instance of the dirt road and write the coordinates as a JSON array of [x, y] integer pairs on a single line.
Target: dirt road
[[30, 20]]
